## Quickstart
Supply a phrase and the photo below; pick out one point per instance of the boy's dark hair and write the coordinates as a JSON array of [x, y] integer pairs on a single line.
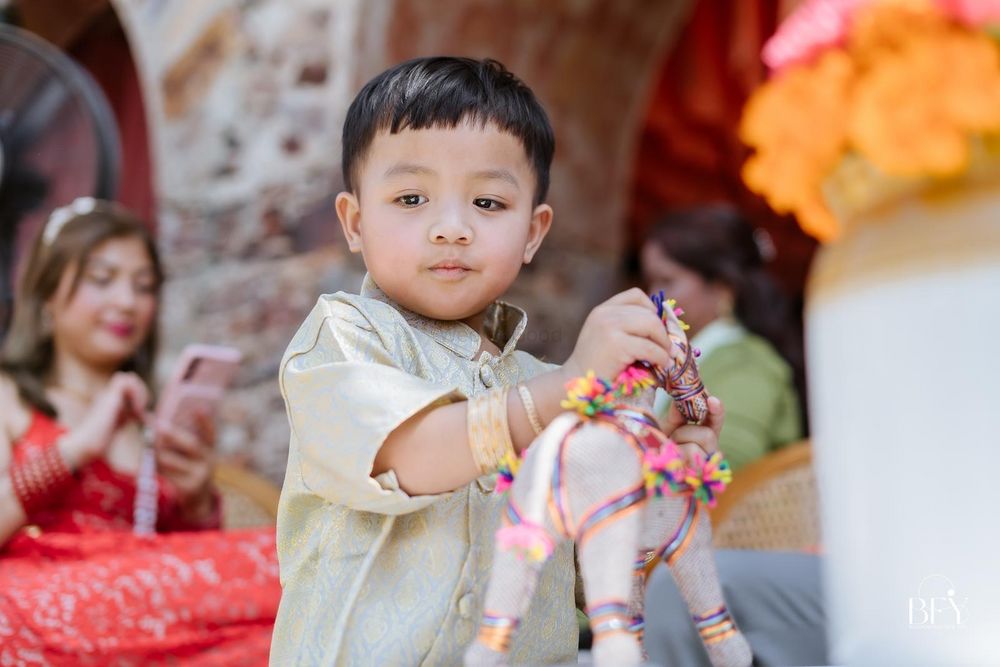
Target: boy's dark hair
[[443, 91]]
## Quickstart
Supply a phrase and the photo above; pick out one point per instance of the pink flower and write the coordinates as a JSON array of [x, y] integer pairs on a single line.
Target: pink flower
[[815, 26], [975, 13]]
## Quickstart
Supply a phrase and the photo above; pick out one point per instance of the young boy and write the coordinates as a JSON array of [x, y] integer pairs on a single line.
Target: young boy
[[400, 399]]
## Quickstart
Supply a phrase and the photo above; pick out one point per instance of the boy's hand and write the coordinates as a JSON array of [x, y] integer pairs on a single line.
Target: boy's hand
[[622, 330], [694, 440]]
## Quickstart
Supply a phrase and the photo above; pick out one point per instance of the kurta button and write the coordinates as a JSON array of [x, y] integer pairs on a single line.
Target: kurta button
[[487, 375], [465, 605]]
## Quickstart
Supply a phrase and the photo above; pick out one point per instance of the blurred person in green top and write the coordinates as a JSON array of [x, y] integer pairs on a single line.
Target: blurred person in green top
[[710, 260]]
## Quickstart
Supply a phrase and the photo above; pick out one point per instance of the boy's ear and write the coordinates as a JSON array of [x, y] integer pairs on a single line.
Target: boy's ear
[[349, 212], [541, 222]]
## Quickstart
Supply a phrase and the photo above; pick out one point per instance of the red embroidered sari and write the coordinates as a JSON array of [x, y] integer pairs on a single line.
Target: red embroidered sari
[[78, 588]]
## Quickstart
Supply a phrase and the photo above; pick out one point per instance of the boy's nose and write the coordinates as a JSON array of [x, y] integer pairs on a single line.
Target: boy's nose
[[451, 228]]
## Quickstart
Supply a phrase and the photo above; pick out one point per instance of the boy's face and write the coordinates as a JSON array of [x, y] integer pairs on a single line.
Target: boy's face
[[444, 217]]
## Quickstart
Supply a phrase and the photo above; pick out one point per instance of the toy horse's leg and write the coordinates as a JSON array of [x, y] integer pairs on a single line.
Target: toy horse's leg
[[606, 556], [512, 585], [688, 552], [513, 577], [604, 495], [661, 518]]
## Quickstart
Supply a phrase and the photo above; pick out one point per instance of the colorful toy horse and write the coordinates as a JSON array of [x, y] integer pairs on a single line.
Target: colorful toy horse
[[608, 478]]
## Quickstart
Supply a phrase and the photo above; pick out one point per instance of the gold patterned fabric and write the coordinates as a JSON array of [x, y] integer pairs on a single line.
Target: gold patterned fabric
[[371, 575]]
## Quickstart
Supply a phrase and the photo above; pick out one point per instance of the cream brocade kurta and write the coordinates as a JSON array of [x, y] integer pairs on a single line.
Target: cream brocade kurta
[[370, 575]]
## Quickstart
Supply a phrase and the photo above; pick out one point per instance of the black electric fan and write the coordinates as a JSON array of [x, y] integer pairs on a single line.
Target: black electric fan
[[58, 141]]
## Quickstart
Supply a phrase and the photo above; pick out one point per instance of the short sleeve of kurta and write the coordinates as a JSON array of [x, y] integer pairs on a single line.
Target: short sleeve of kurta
[[346, 388]]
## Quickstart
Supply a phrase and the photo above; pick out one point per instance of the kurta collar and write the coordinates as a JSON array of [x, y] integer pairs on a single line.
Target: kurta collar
[[503, 324]]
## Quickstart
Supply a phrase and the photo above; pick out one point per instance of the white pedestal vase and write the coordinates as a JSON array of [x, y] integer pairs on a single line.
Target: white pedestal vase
[[903, 351]]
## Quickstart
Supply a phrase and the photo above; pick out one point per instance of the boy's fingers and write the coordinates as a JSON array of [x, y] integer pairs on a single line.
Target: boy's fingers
[[702, 436], [674, 418], [642, 349], [654, 330], [716, 415], [633, 296], [640, 322], [676, 421], [706, 435], [692, 453]]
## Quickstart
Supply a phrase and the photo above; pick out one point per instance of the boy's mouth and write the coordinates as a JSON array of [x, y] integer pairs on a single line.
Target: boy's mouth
[[450, 268]]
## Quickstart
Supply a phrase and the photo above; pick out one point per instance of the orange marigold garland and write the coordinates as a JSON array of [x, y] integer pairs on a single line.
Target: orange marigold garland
[[904, 84]]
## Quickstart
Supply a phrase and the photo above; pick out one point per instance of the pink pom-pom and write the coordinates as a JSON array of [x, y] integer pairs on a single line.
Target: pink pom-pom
[[527, 540]]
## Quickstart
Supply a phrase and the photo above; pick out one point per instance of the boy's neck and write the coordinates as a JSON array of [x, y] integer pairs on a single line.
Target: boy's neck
[[485, 344], [477, 322]]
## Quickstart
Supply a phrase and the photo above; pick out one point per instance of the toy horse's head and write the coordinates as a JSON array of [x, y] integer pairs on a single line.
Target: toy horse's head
[[637, 384], [682, 381], [634, 388]]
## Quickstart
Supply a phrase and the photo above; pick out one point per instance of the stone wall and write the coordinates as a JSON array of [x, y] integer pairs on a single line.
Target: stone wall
[[246, 99]]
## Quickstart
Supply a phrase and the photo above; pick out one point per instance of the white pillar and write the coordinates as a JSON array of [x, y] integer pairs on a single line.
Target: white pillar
[[903, 350]]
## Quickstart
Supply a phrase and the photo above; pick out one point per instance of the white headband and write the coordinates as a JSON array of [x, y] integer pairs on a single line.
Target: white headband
[[60, 216]]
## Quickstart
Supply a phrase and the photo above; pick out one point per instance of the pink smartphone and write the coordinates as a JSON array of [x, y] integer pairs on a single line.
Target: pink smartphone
[[199, 381]]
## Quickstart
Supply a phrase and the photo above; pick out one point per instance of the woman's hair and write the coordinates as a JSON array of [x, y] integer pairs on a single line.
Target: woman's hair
[[66, 243], [717, 243]]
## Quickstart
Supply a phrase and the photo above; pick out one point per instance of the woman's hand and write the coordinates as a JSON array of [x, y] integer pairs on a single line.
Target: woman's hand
[[696, 441], [122, 400], [187, 460]]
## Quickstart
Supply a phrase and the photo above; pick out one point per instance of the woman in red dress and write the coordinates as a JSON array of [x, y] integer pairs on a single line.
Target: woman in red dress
[[77, 587]]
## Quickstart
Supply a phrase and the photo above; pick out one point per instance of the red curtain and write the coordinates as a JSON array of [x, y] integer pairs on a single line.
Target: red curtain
[[690, 152], [104, 51]]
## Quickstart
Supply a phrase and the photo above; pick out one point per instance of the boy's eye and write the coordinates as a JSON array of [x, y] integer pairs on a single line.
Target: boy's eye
[[488, 204], [411, 200]]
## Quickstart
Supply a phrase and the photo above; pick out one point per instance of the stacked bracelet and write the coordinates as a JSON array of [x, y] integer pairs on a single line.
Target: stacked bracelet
[[39, 476], [529, 408], [489, 433]]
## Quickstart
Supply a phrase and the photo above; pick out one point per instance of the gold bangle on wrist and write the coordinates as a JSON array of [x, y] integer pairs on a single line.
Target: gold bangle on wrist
[[488, 430], [529, 408]]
